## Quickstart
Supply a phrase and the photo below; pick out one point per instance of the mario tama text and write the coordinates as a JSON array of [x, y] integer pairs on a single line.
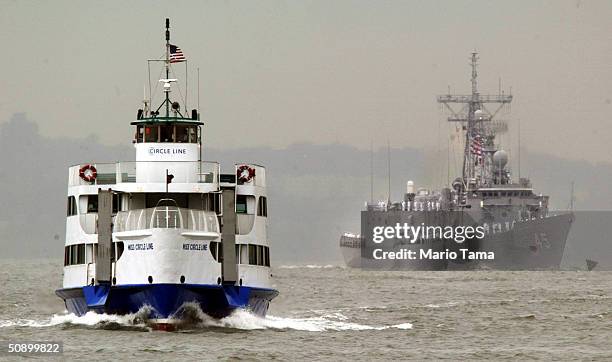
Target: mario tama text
[[430, 254]]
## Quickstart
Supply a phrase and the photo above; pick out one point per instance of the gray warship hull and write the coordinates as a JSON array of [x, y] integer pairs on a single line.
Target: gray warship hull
[[534, 244]]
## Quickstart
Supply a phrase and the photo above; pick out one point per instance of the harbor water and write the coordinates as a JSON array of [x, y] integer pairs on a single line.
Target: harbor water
[[326, 312]]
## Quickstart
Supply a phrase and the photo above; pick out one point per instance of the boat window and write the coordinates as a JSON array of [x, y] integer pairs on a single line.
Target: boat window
[[89, 253], [182, 134], [92, 204], [211, 202], [263, 256], [252, 254], [259, 255], [116, 203], [139, 134], [81, 254], [217, 203], [120, 247], [193, 134], [166, 134], [244, 254], [72, 206], [229, 178], [241, 204], [151, 133], [213, 249], [262, 206], [73, 254]]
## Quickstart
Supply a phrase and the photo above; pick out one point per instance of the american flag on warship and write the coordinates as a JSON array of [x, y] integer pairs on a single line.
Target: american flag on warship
[[176, 54], [476, 146]]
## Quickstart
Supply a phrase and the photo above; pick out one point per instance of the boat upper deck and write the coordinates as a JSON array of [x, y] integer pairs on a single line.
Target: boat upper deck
[[155, 176]]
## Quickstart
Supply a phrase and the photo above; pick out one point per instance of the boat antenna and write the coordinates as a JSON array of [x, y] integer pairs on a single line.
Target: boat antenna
[[167, 64], [186, 80], [150, 89], [198, 92]]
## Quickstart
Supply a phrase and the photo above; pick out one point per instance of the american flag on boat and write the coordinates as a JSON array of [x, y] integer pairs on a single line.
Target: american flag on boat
[[176, 54]]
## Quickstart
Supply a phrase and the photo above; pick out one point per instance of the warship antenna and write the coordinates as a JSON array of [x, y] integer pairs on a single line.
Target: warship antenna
[[388, 172], [448, 152], [474, 64], [572, 198], [519, 149]]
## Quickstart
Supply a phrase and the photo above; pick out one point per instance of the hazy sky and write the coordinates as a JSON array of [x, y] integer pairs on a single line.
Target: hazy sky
[[273, 73]]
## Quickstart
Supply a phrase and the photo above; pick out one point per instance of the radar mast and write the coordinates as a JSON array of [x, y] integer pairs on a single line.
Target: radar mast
[[480, 131]]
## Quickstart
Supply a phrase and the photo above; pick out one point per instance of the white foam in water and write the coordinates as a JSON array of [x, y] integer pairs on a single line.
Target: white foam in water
[[242, 319], [89, 319], [239, 319], [403, 326]]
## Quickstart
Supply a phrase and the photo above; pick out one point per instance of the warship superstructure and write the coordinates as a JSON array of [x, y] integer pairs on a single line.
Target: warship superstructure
[[519, 230], [169, 231]]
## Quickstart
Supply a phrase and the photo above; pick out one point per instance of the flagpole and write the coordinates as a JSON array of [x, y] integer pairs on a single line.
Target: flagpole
[[167, 64], [186, 78]]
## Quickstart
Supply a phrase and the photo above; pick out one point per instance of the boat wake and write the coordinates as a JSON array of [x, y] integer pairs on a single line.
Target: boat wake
[[244, 320], [135, 321], [193, 319]]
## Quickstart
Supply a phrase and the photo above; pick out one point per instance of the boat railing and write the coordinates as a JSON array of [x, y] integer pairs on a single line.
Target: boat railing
[[166, 217], [204, 172]]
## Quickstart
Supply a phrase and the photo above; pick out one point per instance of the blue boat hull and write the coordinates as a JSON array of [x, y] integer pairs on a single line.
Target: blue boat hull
[[165, 300]]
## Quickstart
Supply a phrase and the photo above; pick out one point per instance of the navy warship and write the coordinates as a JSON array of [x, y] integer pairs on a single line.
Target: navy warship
[[518, 230]]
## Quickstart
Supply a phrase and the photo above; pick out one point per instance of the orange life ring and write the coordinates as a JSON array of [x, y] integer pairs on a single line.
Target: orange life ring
[[245, 173], [88, 173]]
